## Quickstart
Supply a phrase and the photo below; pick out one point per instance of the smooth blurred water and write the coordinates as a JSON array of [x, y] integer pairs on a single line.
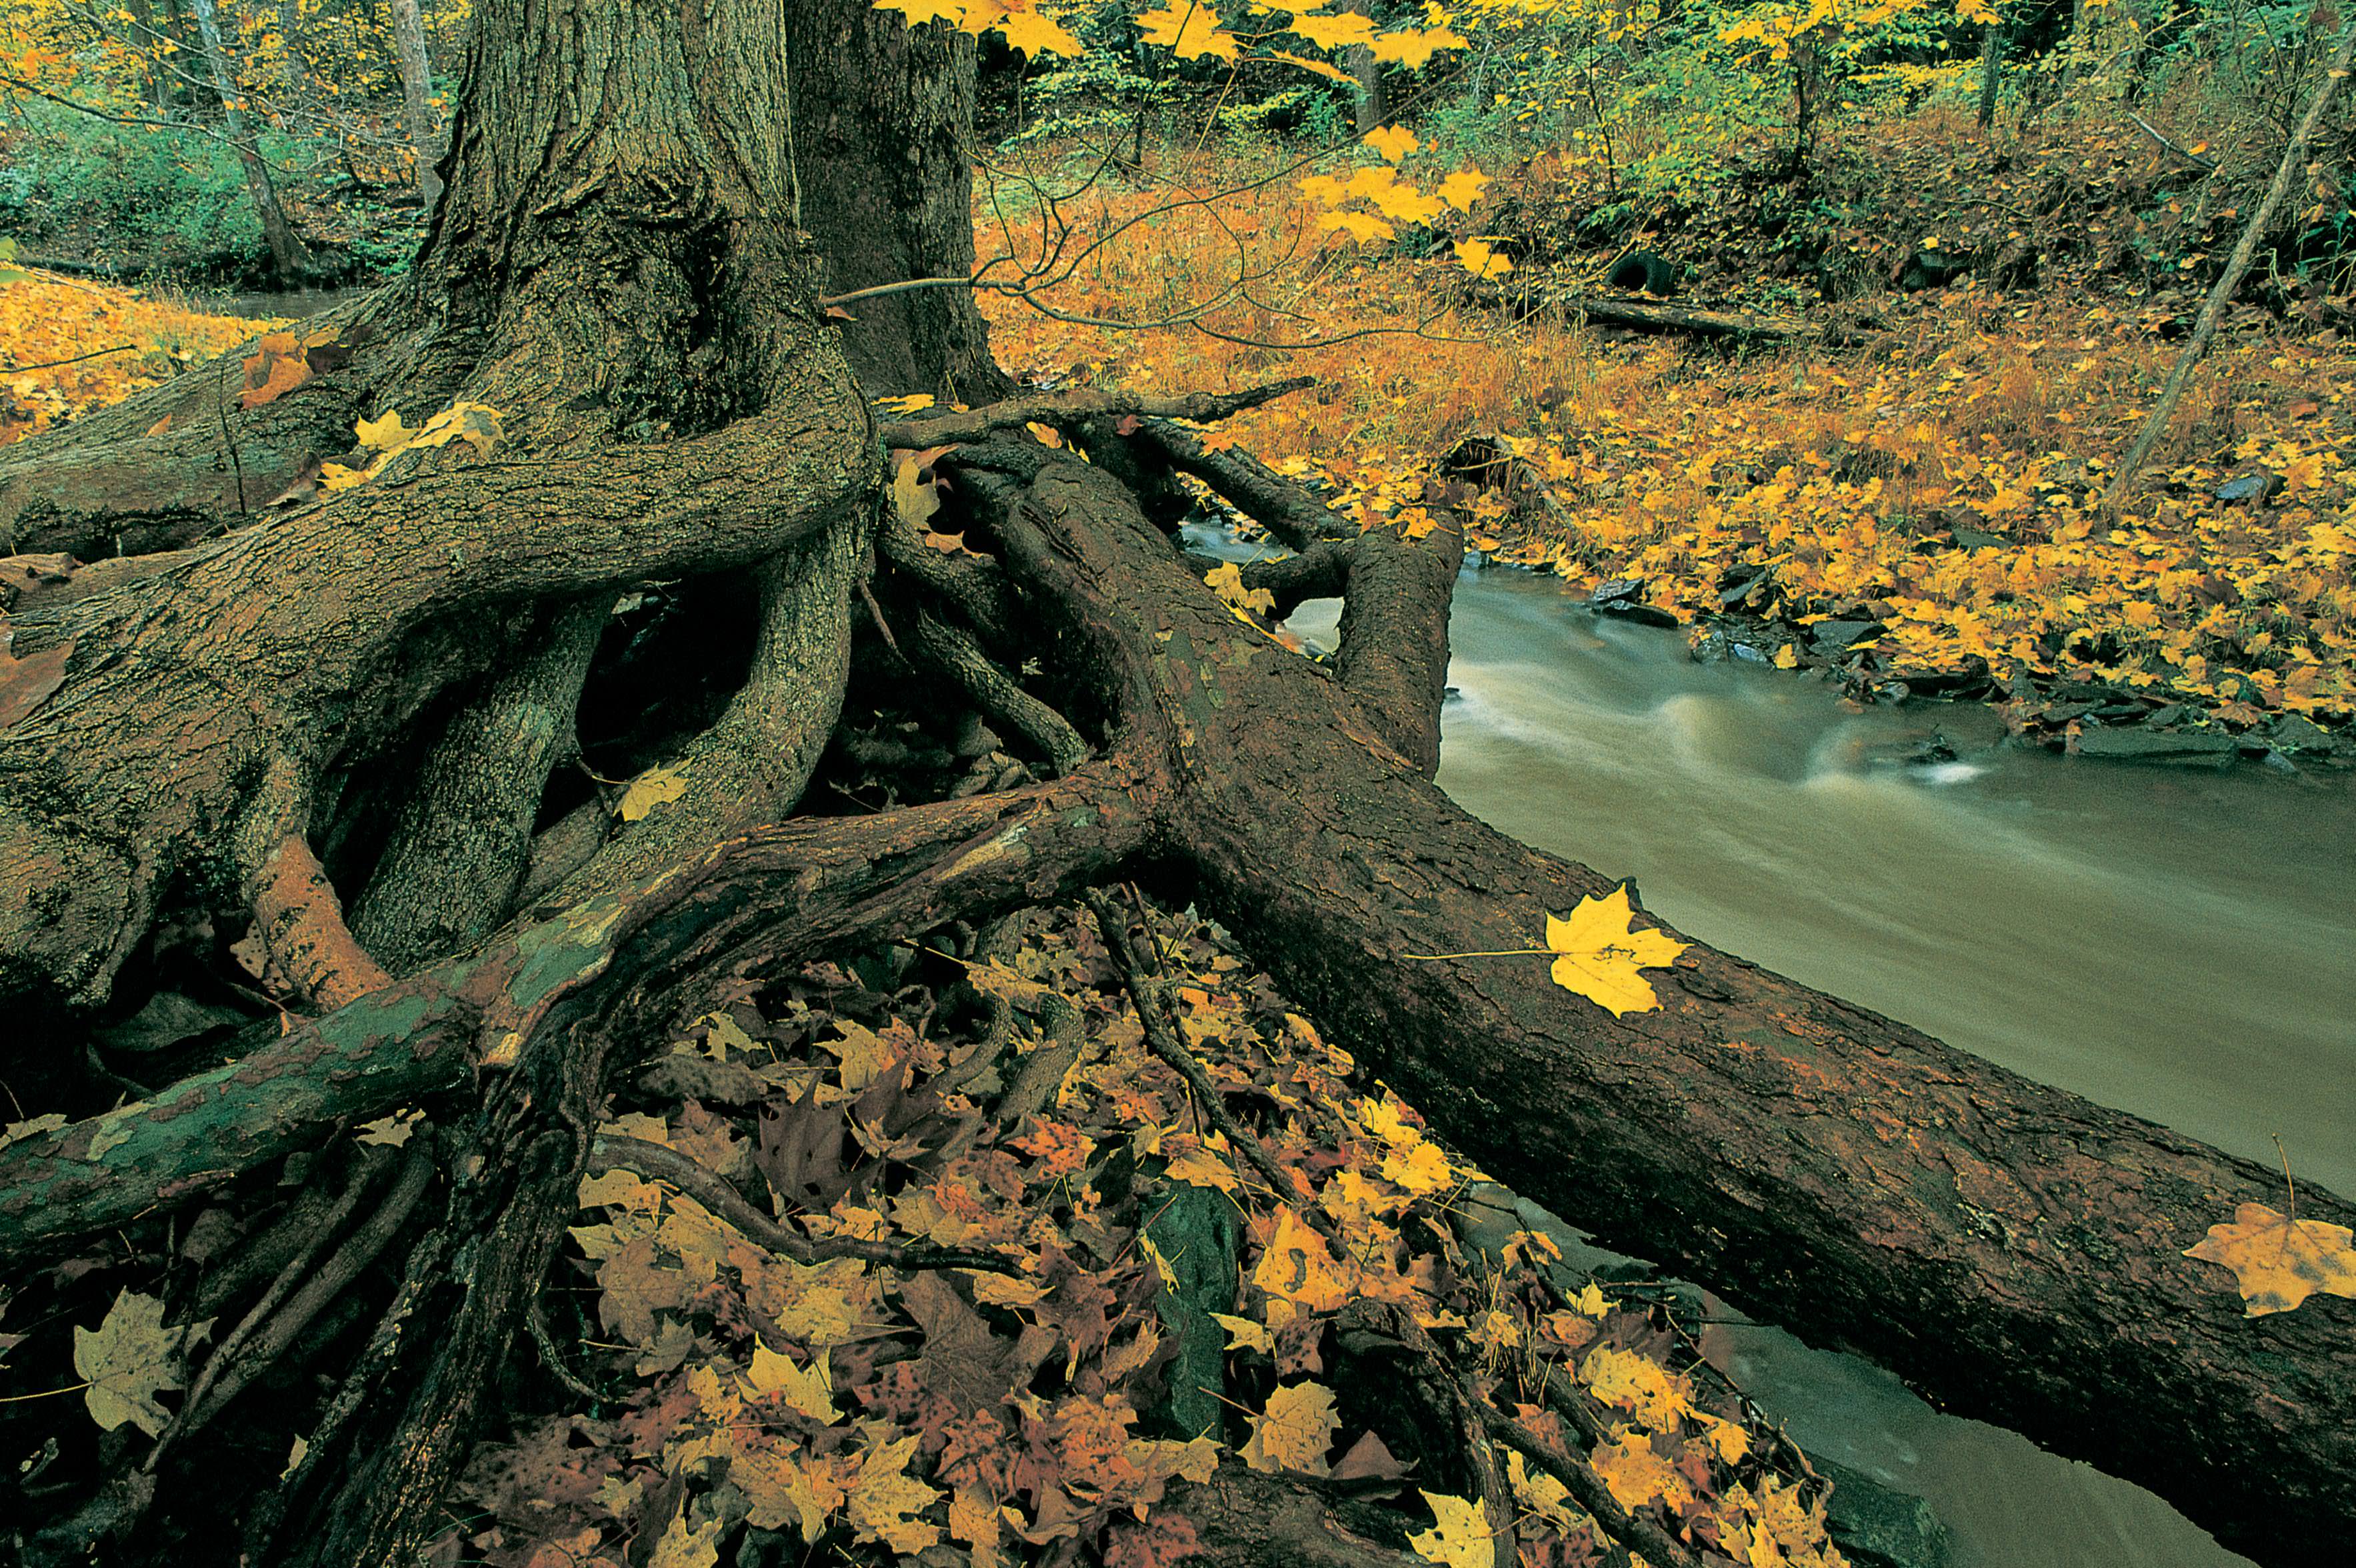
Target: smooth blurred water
[[2179, 945]]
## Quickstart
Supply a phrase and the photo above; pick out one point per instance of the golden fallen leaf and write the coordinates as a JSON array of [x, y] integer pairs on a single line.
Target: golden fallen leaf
[[1637, 1474], [1295, 1431], [2280, 1262], [807, 1389], [1461, 1538], [656, 787], [1600, 955], [128, 1359]]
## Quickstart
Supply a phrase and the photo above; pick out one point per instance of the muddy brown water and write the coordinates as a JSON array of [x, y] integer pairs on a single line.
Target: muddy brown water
[[2178, 945]]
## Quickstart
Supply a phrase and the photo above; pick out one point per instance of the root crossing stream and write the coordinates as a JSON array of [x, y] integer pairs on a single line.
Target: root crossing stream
[[2181, 945]]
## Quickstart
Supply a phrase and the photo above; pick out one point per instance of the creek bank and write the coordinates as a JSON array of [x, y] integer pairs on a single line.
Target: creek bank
[[2079, 718], [1875, 1525]]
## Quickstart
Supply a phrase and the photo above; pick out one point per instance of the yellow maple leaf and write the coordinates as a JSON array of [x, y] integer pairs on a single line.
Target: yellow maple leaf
[[684, 1545], [1242, 1334], [1036, 35], [1227, 582], [1478, 258], [384, 434], [1203, 1166], [1600, 955], [783, 1484], [885, 1494], [914, 497], [1420, 1170], [475, 424], [1414, 49], [1394, 142], [1334, 32], [1399, 200], [2280, 1262], [1462, 188], [1189, 30], [1295, 1431], [807, 1389], [1643, 1388], [922, 11], [1542, 1494], [1299, 1268], [128, 1359], [655, 786], [1461, 1538], [1362, 226], [1636, 1475]]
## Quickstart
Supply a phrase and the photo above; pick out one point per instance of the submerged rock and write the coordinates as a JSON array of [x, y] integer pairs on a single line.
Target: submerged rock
[[1879, 1526], [2180, 749]]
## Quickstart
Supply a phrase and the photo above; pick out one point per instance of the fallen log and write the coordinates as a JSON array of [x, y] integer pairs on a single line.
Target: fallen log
[[1638, 317], [2011, 1250]]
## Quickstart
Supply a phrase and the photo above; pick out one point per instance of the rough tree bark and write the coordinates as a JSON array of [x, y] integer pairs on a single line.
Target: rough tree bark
[[888, 209], [615, 268]]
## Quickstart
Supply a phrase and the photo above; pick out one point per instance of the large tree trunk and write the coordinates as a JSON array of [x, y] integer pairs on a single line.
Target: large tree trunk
[[890, 210], [614, 268]]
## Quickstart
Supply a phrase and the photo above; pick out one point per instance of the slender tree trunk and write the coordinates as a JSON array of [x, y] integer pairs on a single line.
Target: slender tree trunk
[[1991, 69], [417, 97], [287, 256], [2212, 309], [1373, 100]]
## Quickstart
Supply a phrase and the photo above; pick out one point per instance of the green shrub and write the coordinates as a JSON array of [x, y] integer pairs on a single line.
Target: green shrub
[[72, 184]]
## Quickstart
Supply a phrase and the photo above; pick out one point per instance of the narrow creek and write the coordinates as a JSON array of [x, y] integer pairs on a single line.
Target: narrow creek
[[2181, 945]]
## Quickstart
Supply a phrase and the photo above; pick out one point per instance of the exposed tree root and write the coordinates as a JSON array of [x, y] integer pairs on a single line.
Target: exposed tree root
[[676, 408]]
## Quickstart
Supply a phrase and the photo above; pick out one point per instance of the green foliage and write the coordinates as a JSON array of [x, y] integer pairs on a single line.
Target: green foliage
[[139, 193]]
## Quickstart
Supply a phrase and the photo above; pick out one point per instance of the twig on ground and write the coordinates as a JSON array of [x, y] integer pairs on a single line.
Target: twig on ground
[[78, 358], [1588, 1490], [1060, 408], [1164, 1042], [709, 1187]]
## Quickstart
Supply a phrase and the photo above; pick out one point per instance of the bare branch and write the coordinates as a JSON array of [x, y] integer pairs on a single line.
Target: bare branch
[[1069, 407]]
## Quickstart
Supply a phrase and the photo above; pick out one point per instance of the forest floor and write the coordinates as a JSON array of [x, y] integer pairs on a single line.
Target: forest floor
[[1915, 508]]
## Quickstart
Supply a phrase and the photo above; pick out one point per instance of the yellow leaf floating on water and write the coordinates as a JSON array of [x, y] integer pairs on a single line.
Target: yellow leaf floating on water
[[1461, 1538], [2280, 1262], [1600, 955]]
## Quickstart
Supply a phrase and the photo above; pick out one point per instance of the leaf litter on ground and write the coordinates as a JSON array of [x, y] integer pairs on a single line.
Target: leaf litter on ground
[[873, 1413]]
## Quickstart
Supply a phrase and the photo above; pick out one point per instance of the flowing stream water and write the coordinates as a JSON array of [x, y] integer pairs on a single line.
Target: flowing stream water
[[2181, 945]]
